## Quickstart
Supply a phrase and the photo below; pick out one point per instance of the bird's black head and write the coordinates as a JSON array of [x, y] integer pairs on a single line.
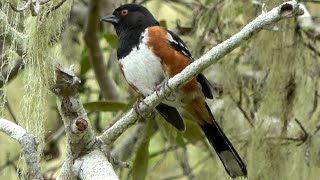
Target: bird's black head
[[131, 17]]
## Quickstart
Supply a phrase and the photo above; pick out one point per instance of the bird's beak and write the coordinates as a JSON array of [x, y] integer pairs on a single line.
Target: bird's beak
[[111, 19]]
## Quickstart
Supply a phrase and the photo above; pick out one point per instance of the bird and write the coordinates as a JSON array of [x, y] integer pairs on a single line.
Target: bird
[[148, 55]]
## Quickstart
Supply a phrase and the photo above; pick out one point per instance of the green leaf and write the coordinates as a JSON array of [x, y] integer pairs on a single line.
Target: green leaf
[[193, 132], [131, 102], [112, 39], [167, 130], [84, 62], [140, 164], [105, 106]]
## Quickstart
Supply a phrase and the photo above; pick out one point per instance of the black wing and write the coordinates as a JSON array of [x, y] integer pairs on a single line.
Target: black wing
[[172, 116], [179, 45]]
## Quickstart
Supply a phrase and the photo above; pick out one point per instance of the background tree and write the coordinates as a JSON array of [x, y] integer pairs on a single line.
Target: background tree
[[269, 107]]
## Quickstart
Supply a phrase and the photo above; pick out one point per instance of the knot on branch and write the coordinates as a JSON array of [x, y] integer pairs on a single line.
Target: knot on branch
[[29, 139], [81, 124], [288, 10]]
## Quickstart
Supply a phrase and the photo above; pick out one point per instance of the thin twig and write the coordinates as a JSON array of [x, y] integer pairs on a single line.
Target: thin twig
[[307, 151], [9, 73], [200, 162], [238, 103], [27, 5], [55, 7], [14, 117], [183, 159], [312, 48], [316, 129], [165, 150], [300, 125], [157, 163]]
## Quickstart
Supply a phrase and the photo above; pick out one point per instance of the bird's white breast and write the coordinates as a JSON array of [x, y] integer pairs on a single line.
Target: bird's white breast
[[142, 68]]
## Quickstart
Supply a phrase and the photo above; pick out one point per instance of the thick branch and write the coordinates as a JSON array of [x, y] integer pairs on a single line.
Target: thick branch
[[285, 10], [80, 136], [124, 150], [93, 166], [307, 24], [91, 37], [28, 144]]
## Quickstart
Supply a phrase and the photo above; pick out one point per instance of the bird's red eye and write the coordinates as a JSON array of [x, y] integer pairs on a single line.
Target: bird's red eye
[[124, 12]]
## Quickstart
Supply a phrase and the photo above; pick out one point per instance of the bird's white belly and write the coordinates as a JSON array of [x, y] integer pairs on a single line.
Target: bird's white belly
[[142, 69]]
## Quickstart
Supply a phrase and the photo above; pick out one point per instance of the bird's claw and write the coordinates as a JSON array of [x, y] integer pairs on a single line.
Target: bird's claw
[[161, 87], [136, 105], [137, 108]]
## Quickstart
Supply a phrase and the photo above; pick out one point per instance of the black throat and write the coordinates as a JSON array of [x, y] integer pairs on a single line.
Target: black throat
[[128, 40]]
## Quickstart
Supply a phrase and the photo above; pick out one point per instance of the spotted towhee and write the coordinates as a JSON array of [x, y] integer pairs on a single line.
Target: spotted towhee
[[150, 54]]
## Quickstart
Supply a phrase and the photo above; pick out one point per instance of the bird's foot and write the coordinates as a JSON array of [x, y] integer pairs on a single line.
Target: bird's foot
[[136, 105], [137, 109], [162, 86]]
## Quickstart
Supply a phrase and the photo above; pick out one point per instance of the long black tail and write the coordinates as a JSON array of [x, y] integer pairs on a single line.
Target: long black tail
[[227, 154]]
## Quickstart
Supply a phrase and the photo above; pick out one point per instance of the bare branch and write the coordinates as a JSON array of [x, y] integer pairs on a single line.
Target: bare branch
[[307, 24], [165, 150], [200, 162], [84, 158], [35, 6], [9, 73], [94, 166], [9, 107], [124, 150], [55, 7], [305, 133], [27, 5], [91, 37], [284, 11], [7, 32], [242, 110], [28, 144], [305, 20], [74, 117], [158, 162]]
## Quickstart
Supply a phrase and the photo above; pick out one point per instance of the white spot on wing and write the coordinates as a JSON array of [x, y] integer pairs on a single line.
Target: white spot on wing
[[170, 38], [178, 43]]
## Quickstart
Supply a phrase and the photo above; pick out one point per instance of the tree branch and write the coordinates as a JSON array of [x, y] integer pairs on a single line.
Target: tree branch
[[10, 72], [28, 144], [307, 24], [91, 37], [95, 166], [82, 149], [7, 32], [286, 10], [124, 150], [35, 6]]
